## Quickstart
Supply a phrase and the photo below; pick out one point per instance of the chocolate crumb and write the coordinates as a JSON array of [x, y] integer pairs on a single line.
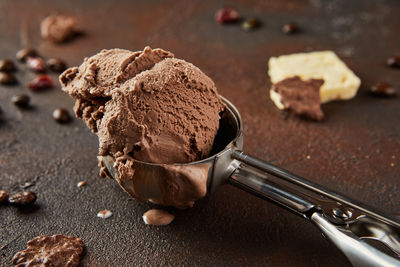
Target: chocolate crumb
[[383, 89], [7, 65], [59, 28], [3, 197], [23, 54], [56, 250], [21, 101], [23, 199]]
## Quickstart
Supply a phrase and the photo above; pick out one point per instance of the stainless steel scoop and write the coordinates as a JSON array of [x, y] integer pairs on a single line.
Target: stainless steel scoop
[[345, 222]]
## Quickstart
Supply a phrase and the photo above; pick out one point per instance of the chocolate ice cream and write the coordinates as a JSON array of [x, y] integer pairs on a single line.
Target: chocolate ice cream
[[148, 106]]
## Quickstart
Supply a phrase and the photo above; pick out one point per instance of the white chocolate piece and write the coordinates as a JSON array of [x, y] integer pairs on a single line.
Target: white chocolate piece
[[340, 83]]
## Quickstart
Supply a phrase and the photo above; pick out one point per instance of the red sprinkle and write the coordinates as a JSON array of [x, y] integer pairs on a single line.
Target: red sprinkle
[[40, 83], [36, 64], [226, 15]]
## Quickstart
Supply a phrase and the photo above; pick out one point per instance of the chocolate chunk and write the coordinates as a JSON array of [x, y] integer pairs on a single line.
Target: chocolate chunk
[[36, 64], [7, 78], [393, 62], [7, 65], [56, 250], [61, 115], [23, 199], [300, 97], [21, 101], [290, 28], [383, 90], [226, 15], [157, 217], [59, 28], [40, 83], [56, 65], [251, 24], [3, 197], [23, 54]]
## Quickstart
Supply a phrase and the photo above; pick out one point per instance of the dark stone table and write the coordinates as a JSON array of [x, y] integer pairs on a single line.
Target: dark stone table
[[356, 150]]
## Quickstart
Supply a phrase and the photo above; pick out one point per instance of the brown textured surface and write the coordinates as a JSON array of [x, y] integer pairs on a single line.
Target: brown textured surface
[[356, 150]]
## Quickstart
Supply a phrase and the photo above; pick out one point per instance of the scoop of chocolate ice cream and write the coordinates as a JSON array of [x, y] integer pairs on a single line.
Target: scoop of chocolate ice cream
[[146, 106]]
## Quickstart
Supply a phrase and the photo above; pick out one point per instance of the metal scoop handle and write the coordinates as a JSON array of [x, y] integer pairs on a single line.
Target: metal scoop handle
[[332, 213]]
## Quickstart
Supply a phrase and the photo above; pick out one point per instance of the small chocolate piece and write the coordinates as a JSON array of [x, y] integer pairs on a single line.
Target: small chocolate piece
[[23, 54], [393, 62], [81, 184], [56, 65], [23, 199], [157, 217], [383, 90], [251, 24], [59, 28], [3, 197], [21, 101], [290, 28], [301, 97], [61, 115], [226, 15], [56, 250], [7, 78], [7, 65], [40, 83], [36, 64]]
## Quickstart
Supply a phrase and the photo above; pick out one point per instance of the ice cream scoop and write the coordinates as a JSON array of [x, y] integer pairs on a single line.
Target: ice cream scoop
[[343, 221], [148, 106]]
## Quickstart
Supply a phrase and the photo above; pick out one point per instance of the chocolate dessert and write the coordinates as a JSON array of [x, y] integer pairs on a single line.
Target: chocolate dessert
[[148, 106]]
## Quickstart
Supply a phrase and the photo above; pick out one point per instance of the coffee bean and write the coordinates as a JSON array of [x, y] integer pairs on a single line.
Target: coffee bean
[[23, 199], [250, 24], [226, 15], [290, 28], [40, 83], [383, 90], [56, 65], [21, 101], [6, 65], [23, 54], [61, 115], [3, 197], [36, 64], [393, 62], [7, 78]]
